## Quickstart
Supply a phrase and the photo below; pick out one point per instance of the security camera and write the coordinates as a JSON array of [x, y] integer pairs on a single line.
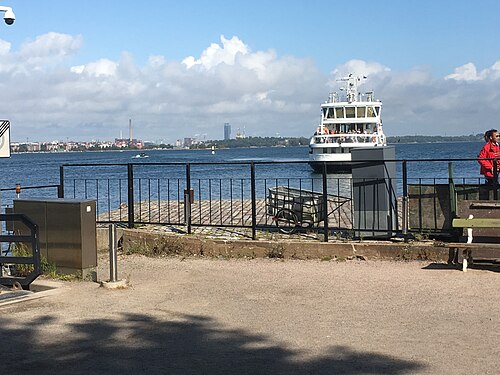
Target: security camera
[[9, 17]]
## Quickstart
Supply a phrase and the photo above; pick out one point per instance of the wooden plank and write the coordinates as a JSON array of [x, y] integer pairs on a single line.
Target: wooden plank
[[476, 223], [477, 245], [485, 205]]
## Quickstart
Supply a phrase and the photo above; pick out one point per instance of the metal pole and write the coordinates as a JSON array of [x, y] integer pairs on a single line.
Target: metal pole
[[495, 179], [254, 208], [453, 194], [187, 198], [325, 204], [405, 201], [130, 182], [60, 190], [113, 272]]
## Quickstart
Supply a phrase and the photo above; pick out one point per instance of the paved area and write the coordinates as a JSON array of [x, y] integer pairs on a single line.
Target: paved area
[[261, 316]]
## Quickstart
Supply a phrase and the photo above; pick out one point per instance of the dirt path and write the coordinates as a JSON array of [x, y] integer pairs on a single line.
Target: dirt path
[[208, 316]]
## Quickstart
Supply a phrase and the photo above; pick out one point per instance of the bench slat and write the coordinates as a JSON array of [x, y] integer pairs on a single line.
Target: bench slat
[[476, 223], [477, 245], [485, 205]]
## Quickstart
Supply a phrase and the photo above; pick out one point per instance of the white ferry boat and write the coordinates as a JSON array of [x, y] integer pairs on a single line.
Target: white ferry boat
[[348, 122]]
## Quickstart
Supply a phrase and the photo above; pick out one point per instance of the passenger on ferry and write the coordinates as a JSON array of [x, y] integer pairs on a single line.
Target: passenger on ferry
[[491, 150], [321, 130]]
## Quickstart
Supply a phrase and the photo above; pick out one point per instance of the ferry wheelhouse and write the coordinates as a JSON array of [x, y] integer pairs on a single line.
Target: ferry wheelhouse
[[348, 122]]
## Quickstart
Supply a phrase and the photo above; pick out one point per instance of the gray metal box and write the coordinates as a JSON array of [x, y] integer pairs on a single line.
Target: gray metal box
[[67, 230], [374, 192]]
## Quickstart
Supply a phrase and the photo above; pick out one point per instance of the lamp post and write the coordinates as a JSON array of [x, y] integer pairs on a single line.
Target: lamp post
[[9, 17]]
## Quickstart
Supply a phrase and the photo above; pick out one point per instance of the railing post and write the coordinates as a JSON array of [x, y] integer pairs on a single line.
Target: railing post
[[325, 205], [60, 189], [113, 271], [495, 179], [451, 186], [254, 208], [187, 198], [405, 201], [130, 182]]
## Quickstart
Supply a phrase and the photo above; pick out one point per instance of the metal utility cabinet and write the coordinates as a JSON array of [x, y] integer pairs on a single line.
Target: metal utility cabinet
[[374, 192], [67, 230]]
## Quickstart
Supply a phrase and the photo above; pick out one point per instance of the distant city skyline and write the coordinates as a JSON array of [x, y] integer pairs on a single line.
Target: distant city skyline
[[81, 70]]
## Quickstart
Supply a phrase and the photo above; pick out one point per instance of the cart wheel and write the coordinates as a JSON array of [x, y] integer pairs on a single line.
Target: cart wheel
[[286, 221]]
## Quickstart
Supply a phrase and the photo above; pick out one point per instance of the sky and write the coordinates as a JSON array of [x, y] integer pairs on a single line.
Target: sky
[[81, 70]]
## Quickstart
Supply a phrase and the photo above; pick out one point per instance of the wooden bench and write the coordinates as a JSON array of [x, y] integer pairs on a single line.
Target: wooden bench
[[470, 223]]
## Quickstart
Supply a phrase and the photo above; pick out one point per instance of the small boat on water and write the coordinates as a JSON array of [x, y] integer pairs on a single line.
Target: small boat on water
[[348, 122], [142, 155]]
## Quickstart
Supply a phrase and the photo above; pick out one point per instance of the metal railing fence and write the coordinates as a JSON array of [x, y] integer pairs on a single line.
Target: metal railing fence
[[421, 198]]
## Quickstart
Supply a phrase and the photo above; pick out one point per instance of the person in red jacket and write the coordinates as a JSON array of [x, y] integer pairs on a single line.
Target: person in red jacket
[[490, 150]]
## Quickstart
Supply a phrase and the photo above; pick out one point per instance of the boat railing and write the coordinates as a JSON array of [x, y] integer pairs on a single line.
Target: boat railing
[[348, 138]]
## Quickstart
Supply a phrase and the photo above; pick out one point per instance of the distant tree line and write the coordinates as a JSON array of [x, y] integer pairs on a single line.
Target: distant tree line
[[254, 142], [303, 141], [434, 138]]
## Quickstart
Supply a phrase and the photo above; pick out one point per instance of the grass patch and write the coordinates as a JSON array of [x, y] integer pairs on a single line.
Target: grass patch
[[161, 247], [47, 268], [276, 251]]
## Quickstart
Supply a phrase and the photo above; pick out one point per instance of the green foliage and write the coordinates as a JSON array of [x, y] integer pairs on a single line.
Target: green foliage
[[161, 247], [434, 138], [256, 142], [276, 251], [22, 250]]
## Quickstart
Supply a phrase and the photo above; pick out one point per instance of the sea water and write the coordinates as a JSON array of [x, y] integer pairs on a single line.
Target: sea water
[[274, 166]]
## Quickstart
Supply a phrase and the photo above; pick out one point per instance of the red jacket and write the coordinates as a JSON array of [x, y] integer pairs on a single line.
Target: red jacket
[[489, 150]]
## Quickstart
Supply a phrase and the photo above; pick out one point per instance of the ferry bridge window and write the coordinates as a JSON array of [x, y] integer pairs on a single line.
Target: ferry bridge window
[[377, 109], [330, 113], [361, 112], [350, 112], [339, 112], [371, 112], [324, 112]]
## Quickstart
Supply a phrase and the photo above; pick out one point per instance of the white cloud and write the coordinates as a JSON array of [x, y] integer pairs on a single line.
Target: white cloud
[[4, 47], [102, 67], [468, 72], [41, 54], [259, 90], [215, 54], [358, 68]]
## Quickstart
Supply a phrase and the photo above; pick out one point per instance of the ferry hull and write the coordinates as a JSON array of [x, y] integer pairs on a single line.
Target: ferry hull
[[331, 166]]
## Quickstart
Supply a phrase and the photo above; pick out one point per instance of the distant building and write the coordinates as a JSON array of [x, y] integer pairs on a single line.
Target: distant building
[[121, 142], [125, 142], [239, 134], [227, 131], [188, 142]]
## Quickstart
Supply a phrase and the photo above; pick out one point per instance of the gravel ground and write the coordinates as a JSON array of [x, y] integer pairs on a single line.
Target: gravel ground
[[261, 316]]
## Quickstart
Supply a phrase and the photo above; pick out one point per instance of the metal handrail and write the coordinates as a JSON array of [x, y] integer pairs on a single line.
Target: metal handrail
[[32, 239]]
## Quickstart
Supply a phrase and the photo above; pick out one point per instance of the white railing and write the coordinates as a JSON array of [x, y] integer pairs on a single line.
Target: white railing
[[348, 138]]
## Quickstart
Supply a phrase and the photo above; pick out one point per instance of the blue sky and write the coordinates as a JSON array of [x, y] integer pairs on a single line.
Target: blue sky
[[79, 70]]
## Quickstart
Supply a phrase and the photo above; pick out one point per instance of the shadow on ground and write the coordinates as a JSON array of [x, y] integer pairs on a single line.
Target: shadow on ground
[[185, 345], [477, 265]]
